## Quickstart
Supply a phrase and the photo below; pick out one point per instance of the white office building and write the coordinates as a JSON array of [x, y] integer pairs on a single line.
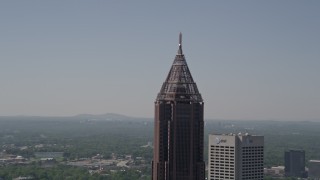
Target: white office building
[[235, 157]]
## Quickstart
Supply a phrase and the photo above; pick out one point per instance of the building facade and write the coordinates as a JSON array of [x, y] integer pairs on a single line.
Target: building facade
[[314, 169], [294, 163], [178, 126], [235, 157]]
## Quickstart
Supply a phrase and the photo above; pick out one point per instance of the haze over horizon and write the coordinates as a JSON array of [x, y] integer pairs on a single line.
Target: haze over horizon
[[251, 60]]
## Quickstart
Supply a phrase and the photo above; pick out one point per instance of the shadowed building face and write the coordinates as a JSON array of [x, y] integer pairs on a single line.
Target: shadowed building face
[[178, 133]]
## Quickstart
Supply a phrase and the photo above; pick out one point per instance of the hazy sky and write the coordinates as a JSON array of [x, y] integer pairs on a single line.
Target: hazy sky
[[250, 59]]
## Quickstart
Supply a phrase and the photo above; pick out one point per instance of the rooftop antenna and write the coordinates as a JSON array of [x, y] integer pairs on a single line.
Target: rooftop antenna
[[180, 44], [180, 39]]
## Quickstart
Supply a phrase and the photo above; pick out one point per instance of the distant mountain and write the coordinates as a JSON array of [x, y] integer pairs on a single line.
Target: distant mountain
[[121, 117], [109, 117], [89, 117]]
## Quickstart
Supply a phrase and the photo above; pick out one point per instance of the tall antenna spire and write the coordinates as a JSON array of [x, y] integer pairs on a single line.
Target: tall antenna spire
[[180, 44]]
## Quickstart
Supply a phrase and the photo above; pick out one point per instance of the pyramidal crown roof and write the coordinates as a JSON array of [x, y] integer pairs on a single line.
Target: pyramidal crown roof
[[179, 85]]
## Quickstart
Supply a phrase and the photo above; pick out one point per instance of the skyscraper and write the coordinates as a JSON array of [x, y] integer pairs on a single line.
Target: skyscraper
[[235, 157], [178, 126], [294, 163]]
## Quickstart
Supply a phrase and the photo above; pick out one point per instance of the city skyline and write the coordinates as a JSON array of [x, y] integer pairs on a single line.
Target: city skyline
[[252, 60]]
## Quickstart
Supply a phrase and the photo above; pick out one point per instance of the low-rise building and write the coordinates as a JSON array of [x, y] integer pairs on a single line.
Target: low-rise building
[[275, 171]]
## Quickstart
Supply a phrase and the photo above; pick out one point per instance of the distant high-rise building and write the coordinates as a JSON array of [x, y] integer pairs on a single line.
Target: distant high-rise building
[[178, 131], [314, 169], [294, 163], [235, 157]]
